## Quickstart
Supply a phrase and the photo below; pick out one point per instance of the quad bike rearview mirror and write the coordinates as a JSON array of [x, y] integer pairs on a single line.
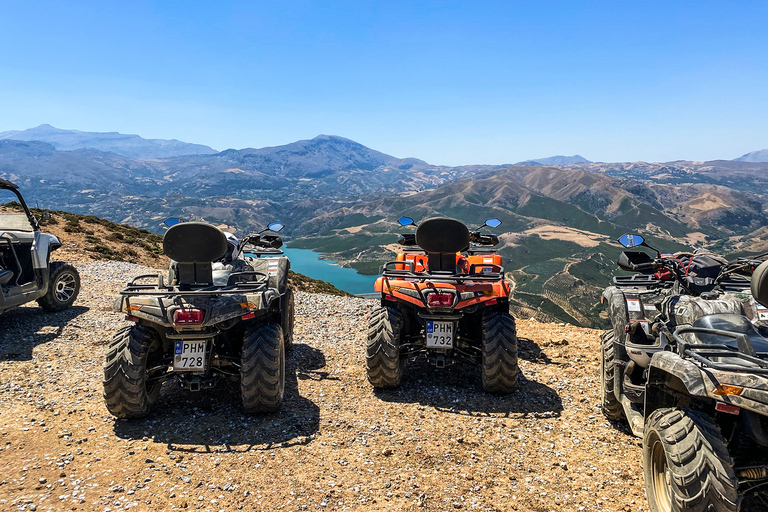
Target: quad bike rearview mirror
[[492, 223], [630, 241], [275, 226], [405, 221], [172, 221]]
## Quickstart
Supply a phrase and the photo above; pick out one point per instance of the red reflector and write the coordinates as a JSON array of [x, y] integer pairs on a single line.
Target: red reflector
[[727, 408], [248, 316], [390, 297], [491, 302], [131, 318], [188, 316], [440, 300]]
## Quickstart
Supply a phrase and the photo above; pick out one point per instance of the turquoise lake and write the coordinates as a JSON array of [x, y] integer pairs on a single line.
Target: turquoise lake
[[306, 262]]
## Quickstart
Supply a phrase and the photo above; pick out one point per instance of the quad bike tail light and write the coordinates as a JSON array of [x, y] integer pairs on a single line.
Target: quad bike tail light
[[188, 316], [440, 300]]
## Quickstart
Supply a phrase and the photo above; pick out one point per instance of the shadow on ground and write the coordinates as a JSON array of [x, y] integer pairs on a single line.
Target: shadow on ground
[[213, 420], [20, 329], [458, 389]]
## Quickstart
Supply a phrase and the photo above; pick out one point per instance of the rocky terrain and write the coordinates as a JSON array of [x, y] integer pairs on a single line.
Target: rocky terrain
[[438, 443]]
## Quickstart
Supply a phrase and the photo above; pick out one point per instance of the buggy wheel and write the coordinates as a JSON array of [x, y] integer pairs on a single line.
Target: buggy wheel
[[63, 287], [127, 392], [611, 407], [383, 363], [499, 345], [286, 320], [262, 367], [686, 464]]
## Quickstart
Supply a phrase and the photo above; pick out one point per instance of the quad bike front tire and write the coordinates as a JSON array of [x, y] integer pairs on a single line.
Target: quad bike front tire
[[383, 362], [610, 405], [262, 367], [686, 464], [127, 394], [499, 345], [63, 287], [287, 318]]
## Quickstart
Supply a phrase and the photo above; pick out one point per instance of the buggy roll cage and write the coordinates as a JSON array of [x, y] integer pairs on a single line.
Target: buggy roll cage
[[703, 352], [7, 185]]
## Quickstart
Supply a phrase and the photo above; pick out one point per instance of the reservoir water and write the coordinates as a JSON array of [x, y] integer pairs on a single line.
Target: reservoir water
[[306, 262]]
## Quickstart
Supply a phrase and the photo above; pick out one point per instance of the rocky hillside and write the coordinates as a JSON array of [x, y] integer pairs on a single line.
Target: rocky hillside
[[89, 238], [341, 198], [437, 443]]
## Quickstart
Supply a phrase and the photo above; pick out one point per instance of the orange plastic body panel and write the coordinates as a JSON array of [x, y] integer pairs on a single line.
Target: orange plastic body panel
[[419, 261], [483, 290]]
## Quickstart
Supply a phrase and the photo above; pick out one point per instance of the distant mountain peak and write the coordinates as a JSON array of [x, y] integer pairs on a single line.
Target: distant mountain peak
[[754, 156], [556, 160]]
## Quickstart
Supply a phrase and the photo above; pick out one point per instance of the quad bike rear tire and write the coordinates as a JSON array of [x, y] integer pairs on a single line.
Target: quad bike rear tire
[[127, 394], [63, 287], [499, 344], [686, 464], [262, 367], [287, 319], [383, 362], [610, 405]]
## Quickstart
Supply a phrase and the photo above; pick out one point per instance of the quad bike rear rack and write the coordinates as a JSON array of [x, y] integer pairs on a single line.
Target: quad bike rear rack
[[437, 276], [134, 289], [703, 352]]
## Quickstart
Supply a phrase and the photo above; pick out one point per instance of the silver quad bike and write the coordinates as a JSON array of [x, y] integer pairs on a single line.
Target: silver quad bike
[[26, 272], [225, 311]]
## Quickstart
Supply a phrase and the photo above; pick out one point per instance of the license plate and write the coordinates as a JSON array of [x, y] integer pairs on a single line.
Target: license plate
[[189, 355], [439, 334]]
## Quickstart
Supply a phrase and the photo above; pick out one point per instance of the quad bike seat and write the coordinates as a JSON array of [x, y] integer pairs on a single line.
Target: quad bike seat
[[193, 246], [441, 238], [732, 323]]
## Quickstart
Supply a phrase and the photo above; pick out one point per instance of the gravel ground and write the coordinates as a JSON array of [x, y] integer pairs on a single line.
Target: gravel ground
[[437, 443]]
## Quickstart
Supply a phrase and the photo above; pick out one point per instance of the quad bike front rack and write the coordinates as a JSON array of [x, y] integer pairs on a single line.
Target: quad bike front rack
[[703, 352]]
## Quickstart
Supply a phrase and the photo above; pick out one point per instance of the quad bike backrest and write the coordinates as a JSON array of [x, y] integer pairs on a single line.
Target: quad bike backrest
[[441, 238], [760, 283], [194, 245]]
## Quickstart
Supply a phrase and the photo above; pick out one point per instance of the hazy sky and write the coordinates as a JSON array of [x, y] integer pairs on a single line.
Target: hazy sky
[[450, 82]]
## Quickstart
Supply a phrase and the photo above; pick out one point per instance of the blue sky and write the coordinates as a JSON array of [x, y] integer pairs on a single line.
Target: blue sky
[[450, 82]]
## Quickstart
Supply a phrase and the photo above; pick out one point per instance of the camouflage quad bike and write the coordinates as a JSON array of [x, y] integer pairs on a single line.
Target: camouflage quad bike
[[26, 272], [694, 383], [444, 297], [220, 315]]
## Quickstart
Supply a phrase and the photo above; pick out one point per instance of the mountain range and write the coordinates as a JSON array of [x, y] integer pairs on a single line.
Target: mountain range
[[131, 146], [341, 198]]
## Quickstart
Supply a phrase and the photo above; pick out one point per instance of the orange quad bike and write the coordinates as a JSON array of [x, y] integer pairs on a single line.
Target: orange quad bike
[[444, 297]]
